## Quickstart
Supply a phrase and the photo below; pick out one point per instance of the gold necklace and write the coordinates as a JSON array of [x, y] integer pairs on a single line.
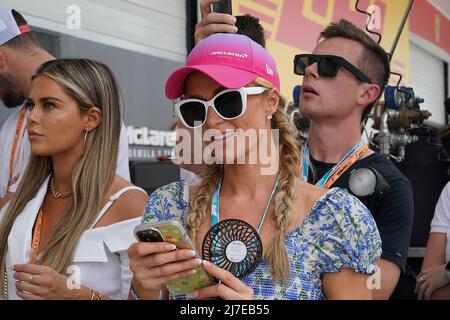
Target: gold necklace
[[56, 194]]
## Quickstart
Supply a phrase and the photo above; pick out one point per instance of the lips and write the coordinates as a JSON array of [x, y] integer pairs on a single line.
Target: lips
[[33, 134], [309, 90]]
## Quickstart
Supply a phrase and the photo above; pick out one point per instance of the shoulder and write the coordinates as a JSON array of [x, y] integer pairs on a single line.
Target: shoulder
[[129, 205], [307, 194], [344, 231], [442, 210], [445, 194], [338, 211], [333, 201], [387, 169], [398, 201], [334, 207]]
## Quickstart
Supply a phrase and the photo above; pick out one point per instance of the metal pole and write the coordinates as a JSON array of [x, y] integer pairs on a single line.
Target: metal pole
[[400, 30]]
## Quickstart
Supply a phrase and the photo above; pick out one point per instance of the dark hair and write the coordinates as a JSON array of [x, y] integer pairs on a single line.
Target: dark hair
[[374, 62], [25, 40], [250, 26]]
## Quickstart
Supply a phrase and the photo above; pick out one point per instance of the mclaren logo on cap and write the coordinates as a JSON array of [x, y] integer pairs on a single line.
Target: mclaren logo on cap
[[228, 53], [269, 70]]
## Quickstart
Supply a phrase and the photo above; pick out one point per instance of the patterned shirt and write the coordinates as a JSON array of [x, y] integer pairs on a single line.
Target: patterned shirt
[[338, 232]]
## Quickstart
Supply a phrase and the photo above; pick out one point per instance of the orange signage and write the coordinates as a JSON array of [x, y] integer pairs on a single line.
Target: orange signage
[[430, 24]]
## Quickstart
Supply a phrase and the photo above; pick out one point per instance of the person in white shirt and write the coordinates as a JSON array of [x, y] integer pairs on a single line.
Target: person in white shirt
[[20, 56], [66, 231], [434, 280]]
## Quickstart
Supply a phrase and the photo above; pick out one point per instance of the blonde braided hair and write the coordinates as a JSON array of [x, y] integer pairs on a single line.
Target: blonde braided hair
[[275, 253]]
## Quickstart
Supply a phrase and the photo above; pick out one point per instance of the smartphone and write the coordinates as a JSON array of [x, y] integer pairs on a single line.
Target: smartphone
[[223, 6], [173, 232]]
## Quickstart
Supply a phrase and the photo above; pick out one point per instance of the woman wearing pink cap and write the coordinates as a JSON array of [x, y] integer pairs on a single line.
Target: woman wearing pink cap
[[316, 243]]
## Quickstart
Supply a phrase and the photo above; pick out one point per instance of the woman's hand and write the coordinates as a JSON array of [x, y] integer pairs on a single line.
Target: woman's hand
[[36, 282], [230, 288], [155, 263], [430, 280]]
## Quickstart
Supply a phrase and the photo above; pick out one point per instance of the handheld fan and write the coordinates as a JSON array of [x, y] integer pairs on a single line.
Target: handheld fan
[[233, 245]]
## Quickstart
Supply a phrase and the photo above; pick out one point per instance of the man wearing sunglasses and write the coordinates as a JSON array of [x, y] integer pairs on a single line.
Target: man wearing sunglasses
[[344, 76]]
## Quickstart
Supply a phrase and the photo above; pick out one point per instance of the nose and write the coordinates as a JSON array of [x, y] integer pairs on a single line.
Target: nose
[[212, 118], [33, 115], [311, 71]]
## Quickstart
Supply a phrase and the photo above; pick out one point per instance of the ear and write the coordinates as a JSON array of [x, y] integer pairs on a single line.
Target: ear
[[93, 118], [368, 94], [272, 100]]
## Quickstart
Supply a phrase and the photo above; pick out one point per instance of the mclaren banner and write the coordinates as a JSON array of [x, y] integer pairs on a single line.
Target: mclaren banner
[[293, 26]]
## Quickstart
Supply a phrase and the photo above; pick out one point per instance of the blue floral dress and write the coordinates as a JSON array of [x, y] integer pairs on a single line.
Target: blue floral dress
[[338, 232]]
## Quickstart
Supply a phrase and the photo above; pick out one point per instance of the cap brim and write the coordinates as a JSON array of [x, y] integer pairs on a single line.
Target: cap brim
[[228, 77]]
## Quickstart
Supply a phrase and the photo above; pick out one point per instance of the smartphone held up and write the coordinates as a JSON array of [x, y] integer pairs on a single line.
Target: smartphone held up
[[222, 6], [173, 232]]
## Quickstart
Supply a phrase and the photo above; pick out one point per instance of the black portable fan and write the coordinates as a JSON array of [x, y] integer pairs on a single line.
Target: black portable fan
[[233, 245]]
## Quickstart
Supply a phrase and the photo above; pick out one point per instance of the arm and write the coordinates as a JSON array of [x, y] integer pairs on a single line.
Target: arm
[[394, 217], [435, 252], [346, 285], [432, 282], [389, 275], [442, 293]]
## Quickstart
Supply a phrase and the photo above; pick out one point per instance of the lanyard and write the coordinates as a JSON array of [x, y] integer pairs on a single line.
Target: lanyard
[[215, 203], [338, 169], [36, 238], [16, 140]]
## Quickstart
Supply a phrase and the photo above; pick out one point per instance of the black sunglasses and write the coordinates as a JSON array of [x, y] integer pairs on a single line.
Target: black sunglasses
[[328, 66]]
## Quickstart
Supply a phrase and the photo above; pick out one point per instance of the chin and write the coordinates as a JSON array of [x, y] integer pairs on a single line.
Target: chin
[[40, 151]]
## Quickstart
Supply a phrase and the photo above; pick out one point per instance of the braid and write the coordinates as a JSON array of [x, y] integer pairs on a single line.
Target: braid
[[276, 253], [200, 202]]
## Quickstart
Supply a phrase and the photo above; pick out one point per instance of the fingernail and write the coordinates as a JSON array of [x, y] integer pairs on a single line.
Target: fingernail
[[206, 263], [193, 271], [190, 253], [194, 294], [198, 262], [171, 247]]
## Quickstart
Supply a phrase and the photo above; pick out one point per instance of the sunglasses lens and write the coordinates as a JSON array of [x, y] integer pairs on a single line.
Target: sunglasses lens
[[301, 64], [193, 113], [229, 104], [327, 67]]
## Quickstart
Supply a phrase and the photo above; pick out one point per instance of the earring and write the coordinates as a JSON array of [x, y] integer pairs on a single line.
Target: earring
[[269, 117], [85, 137]]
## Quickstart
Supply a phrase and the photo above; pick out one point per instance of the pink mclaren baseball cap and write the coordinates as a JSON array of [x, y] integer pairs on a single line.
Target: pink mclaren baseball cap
[[8, 26], [232, 60]]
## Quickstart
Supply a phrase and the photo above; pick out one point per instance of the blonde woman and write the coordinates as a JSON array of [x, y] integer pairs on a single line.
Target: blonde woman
[[317, 243], [66, 231]]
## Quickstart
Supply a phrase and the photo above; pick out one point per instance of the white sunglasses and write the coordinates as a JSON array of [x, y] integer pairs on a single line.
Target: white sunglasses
[[229, 104]]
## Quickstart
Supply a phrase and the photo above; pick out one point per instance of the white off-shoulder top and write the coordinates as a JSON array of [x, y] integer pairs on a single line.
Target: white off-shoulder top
[[100, 261]]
